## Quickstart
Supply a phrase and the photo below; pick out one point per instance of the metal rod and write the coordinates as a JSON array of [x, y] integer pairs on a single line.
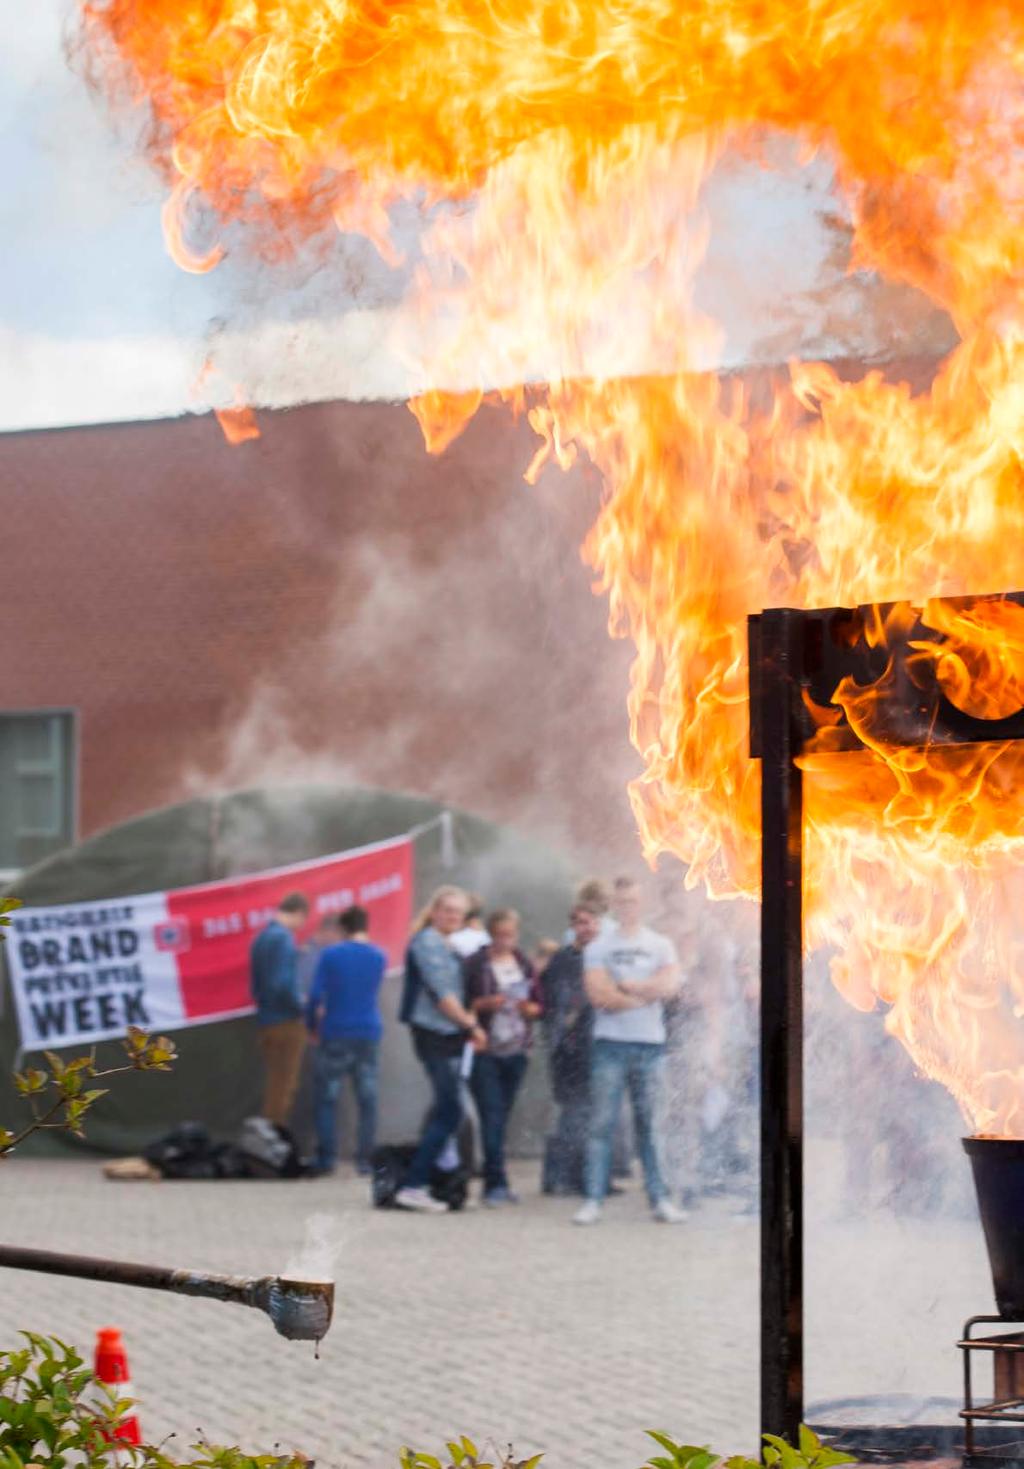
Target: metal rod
[[779, 643], [299, 1309]]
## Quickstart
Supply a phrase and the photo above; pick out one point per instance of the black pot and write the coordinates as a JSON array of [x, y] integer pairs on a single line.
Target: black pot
[[998, 1167]]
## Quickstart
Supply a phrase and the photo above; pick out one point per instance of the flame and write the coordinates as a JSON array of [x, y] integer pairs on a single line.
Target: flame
[[557, 154], [238, 423]]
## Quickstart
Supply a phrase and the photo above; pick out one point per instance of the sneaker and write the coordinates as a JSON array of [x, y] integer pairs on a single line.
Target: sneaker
[[495, 1198], [665, 1212], [589, 1212], [419, 1199]]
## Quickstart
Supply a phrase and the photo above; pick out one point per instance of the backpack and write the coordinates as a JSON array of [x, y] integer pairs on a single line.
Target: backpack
[[412, 982]]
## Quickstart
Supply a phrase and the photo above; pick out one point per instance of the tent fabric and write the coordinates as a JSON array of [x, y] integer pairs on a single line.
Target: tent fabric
[[217, 1078]]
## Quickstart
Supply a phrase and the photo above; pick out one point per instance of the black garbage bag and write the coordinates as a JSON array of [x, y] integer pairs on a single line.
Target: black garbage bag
[[391, 1164], [188, 1151]]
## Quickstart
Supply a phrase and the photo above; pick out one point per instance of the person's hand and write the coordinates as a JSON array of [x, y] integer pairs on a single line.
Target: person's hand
[[478, 1038], [529, 1009], [489, 1003], [637, 989]]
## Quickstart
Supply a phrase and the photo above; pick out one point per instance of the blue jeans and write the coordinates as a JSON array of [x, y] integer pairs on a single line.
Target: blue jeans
[[614, 1067], [336, 1059], [494, 1082], [441, 1058]]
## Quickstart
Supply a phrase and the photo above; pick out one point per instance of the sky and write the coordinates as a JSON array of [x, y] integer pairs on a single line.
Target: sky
[[98, 325]]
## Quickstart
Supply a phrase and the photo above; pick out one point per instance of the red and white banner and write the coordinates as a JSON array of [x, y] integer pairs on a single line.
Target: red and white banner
[[84, 972]]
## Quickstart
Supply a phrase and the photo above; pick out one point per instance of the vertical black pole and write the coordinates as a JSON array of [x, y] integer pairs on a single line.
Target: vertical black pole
[[777, 684]]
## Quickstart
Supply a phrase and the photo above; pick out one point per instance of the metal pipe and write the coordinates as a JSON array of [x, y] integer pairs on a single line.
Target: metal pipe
[[777, 655], [299, 1309]]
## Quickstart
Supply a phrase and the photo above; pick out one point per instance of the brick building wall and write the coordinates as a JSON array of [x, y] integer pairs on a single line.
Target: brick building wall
[[328, 598]]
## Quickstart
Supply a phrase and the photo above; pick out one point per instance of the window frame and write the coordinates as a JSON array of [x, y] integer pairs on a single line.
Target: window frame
[[71, 714]]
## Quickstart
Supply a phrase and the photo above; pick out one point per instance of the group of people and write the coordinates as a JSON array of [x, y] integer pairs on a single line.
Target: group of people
[[473, 1000]]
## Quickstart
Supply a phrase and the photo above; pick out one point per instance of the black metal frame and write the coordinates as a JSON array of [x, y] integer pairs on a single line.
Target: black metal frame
[[797, 660], [1003, 1347]]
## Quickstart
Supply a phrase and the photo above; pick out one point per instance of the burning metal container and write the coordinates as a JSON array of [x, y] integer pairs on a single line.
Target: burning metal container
[[998, 1167]]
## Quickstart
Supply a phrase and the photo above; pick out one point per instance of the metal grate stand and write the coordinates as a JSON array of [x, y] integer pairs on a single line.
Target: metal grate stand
[[1007, 1406]]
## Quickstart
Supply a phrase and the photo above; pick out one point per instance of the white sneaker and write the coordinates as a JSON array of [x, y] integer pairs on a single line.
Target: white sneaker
[[420, 1199], [589, 1212], [665, 1212]]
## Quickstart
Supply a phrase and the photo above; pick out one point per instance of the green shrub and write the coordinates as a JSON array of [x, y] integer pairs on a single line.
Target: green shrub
[[776, 1454], [54, 1414], [58, 1098]]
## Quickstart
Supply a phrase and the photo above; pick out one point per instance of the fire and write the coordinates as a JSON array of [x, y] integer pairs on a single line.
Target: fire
[[557, 154]]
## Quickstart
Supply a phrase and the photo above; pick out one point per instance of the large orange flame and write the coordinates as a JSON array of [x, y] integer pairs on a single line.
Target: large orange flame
[[557, 150]]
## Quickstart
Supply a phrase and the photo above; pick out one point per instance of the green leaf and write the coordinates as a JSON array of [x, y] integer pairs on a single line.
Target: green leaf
[[665, 1441], [30, 1081], [785, 1454], [810, 1443], [56, 1065]]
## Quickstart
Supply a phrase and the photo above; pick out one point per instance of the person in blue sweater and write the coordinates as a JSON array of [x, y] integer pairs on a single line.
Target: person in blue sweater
[[343, 1013]]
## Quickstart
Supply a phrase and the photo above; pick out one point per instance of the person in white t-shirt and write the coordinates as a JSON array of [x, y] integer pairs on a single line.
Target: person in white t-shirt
[[629, 973], [472, 936]]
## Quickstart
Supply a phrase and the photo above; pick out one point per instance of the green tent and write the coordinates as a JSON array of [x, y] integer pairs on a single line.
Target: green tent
[[217, 1078]]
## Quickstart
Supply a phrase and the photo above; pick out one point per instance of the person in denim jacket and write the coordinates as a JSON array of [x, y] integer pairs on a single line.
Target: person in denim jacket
[[433, 1006]]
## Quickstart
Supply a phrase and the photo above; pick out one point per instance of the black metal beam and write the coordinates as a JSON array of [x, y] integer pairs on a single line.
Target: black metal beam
[[777, 662], [797, 660]]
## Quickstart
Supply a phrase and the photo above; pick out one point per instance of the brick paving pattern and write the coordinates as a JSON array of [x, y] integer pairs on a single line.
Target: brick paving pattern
[[507, 1325]]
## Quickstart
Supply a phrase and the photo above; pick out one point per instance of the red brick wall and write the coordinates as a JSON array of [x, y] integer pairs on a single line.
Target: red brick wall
[[326, 599]]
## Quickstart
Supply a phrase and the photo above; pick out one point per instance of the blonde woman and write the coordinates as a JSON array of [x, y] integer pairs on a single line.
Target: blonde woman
[[433, 1006]]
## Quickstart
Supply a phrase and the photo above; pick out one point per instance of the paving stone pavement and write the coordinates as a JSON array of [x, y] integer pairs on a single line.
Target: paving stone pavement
[[508, 1325]]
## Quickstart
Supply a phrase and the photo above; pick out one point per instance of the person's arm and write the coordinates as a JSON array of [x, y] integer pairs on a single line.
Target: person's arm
[[479, 998], [664, 984], [434, 973], [255, 970], [280, 965], [604, 994], [316, 997]]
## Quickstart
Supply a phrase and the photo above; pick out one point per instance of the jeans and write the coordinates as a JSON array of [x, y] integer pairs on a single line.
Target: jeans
[[283, 1044], [441, 1058], [566, 1146], [494, 1082], [614, 1067], [336, 1059]]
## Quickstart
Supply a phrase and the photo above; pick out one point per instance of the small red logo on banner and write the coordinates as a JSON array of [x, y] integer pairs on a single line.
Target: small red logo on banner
[[173, 937]]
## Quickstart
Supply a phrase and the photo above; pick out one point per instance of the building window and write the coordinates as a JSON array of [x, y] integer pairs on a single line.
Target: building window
[[37, 806]]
